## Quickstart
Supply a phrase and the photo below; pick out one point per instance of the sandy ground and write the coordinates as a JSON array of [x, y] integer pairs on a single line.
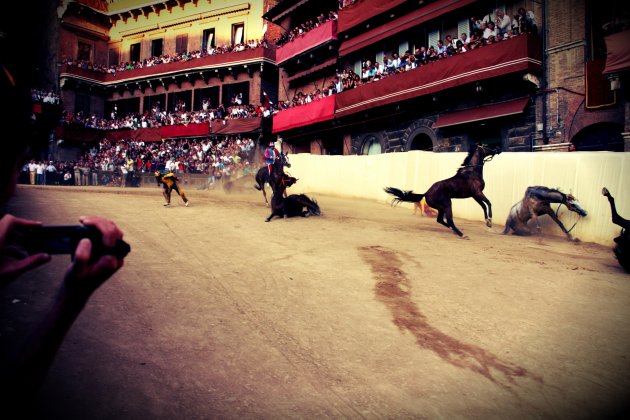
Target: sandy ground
[[367, 311]]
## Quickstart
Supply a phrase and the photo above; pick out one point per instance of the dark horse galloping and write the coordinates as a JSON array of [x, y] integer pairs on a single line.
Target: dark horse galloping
[[262, 175], [467, 182]]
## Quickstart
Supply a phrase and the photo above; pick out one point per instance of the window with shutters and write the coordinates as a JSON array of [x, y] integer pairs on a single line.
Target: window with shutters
[[238, 30], [181, 44]]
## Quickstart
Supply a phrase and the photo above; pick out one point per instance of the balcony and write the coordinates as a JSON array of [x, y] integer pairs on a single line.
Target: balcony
[[219, 62], [518, 54], [303, 115], [422, 14], [315, 38]]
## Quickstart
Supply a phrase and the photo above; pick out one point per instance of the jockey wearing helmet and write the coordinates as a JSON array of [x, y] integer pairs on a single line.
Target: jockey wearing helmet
[[271, 154]]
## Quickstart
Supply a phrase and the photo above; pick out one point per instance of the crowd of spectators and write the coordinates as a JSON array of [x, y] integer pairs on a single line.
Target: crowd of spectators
[[494, 27], [157, 117], [120, 163], [165, 58], [305, 27], [39, 96], [346, 3]]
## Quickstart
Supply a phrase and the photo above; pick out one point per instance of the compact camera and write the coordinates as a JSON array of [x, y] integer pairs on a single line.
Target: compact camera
[[64, 240]]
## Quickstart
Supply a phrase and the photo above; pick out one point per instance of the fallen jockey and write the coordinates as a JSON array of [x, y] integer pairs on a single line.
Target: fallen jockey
[[168, 182]]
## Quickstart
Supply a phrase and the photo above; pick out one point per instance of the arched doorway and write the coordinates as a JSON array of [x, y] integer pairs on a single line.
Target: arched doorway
[[600, 137], [371, 146], [421, 141], [420, 136]]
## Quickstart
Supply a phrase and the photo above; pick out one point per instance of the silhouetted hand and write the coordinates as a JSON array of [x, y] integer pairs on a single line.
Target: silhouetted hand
[[14, 260], [85, 276]]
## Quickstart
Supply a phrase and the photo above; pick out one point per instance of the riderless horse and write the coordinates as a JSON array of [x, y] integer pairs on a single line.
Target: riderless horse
[[467, 182], [622, 242], [262, 176], [537, 202]]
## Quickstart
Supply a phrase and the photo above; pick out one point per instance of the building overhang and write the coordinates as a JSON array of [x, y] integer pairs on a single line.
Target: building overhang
[[486, 112]]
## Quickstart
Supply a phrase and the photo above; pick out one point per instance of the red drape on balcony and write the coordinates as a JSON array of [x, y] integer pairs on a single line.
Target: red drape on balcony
[[503, 109], [144, 134], [362, 11], [520, 53], [423, 14], [314, 112], [244, 125], [211, 61], [75, 134], [190, 130], [309, 40], [618, 52]]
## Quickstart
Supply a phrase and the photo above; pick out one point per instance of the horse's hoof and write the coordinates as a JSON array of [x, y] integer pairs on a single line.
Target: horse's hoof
[[605, 191], [465, 237], [285, 216], [489, 222]]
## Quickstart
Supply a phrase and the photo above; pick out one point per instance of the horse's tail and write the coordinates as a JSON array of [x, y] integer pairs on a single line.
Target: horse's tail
[[407, 196]]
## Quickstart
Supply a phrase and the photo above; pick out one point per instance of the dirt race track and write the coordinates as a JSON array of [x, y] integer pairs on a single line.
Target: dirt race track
[[367, 312]]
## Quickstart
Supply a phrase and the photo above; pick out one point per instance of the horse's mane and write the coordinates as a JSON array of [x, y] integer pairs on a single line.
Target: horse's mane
[[471, 152], [540, 191]]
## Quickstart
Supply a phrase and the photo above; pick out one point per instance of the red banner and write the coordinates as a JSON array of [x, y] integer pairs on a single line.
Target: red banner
[[190, 130], [311, 39], [318, 111], [238, 126], [211, 61]]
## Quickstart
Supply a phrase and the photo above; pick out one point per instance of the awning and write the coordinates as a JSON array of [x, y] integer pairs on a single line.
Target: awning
[[280, 15], [515, 55], [356, 14], [313, 69], [598, 92], [486, 112], [423, 14], [618, 56]]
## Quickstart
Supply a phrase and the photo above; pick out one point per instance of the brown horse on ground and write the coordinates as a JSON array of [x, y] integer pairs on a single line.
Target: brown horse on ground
[[537, 202], [467, 182]]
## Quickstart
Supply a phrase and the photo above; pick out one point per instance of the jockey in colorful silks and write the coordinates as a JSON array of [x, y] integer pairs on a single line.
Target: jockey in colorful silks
[[271, 154], [169, 183]]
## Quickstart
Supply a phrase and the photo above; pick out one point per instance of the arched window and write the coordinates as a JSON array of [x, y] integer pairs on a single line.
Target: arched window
[[371, 146]]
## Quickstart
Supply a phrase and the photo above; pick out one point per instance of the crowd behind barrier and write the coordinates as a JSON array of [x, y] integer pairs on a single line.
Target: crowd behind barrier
[[494, 27], [305, 27], [165, 58], [157, 117], [124, 163]]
